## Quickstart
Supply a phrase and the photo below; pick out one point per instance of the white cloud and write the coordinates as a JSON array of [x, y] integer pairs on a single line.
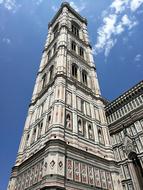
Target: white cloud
[[109, 45], [127, 22], [115, 22], [6, 40], [137, 57], [135, 4], [10, 5], [119, 5], [105, 32], [78, 8], [119, 28]]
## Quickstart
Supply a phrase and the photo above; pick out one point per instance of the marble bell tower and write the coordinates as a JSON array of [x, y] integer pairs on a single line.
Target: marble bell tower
[[65, 143]]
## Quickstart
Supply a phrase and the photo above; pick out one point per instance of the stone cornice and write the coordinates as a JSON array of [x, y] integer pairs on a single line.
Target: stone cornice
[[66, 4], [78, 85], [126, 120], [69, 31], [74, 149], [75, 55], [79, 39], [48, 63], [125, 98]]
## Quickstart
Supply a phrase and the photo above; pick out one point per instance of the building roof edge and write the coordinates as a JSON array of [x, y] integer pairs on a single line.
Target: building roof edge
[[129, 93], [66, 4]]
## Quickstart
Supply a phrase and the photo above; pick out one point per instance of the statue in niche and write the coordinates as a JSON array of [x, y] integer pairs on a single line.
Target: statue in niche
[[90, 132], [100, 135], [80, 126], [68, 121]]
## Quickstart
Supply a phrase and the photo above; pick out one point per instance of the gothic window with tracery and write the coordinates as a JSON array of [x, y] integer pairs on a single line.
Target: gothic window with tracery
[[75, 28], [55, 30], [84, 77], [81, 52], [73, 46]]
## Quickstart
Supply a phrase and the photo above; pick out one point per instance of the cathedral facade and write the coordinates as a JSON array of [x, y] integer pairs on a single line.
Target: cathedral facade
[[125, 122], [66, 141]]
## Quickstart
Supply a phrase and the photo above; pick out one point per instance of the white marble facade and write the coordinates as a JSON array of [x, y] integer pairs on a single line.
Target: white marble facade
[[65, 142], [125, 122]]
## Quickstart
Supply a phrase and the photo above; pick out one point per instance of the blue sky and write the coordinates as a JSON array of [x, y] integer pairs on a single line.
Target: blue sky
[[115, 29]]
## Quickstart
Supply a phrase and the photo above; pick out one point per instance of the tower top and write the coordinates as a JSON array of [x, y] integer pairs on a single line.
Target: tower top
[[66, 4]]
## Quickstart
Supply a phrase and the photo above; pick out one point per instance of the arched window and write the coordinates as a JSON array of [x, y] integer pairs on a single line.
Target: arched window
[[74, 70], [73, 46], [136, 163], [90, 132], [75, 28], [81, 52], [84, 77], [49, 118], [51, 72], [55, 30]]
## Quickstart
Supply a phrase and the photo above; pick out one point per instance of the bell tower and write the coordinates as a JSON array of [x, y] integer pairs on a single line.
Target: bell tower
[[65, 142]]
